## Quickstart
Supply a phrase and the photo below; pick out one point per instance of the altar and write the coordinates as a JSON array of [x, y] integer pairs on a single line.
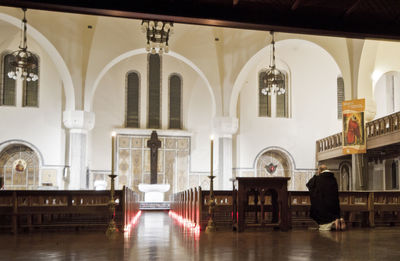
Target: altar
[[154, 192], [134, 166]]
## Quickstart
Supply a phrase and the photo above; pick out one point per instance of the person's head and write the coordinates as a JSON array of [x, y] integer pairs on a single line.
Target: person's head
[[321, 168]]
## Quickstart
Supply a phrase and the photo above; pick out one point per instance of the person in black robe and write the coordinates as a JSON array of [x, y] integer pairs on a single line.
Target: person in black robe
[[324, 196]]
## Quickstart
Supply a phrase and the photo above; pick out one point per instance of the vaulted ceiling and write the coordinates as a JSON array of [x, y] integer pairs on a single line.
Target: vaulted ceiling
[[348, 18]]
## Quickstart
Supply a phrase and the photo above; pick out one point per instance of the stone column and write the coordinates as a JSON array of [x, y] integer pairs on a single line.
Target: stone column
[[359, 168], [79, 123], [224, 128]]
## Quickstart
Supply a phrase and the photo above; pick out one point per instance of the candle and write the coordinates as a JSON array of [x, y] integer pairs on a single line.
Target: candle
[[212, 155], [112, 151]]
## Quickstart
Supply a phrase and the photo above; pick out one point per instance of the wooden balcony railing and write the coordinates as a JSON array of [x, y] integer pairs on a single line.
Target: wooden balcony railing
[[331, 142], [376, 128]]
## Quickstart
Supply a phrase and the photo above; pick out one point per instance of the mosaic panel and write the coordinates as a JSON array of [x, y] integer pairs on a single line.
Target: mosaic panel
[[182, 170], [160, 179], [122, 181], [136, 168], [147, 161], [123, 142], [170, 143], [146, 178], [183, 144], [137, 142], [171, 165], [169, 171], [123, 164], [160, 162]]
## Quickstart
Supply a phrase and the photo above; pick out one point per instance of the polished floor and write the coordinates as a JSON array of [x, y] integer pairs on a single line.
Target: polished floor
[[157, 237]]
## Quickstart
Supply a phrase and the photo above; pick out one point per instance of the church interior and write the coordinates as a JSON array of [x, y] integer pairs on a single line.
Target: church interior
[[100, 85]]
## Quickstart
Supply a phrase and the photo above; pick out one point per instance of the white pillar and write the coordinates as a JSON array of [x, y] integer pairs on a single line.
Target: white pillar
[[78, 123], [224, 128]]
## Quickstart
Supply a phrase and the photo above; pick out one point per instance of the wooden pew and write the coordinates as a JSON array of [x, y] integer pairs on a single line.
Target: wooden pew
[[59, 209], [359, 208]]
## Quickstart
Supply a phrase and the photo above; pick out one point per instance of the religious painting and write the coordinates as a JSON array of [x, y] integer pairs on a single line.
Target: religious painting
[[354, 140]]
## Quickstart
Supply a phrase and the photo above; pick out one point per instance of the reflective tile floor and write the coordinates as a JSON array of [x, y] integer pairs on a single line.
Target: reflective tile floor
[[157, 237]]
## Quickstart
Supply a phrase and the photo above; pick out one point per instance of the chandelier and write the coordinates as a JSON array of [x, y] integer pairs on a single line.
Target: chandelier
[[273, 80], [23, 62], [157, 34]]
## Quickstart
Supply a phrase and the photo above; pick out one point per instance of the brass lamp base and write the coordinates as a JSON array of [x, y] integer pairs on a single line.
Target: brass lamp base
[[211, 226], [112, 229]]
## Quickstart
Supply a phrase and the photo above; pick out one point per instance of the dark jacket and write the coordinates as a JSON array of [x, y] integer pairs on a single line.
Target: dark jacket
[[324, 198]]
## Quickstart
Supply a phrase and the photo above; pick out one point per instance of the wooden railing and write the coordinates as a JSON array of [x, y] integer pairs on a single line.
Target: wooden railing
[[60, 209], [376, 128], [384, 125], [330, 142], [359, 208]]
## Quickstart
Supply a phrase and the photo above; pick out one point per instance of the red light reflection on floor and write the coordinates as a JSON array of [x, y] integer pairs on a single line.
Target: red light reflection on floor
[[186, 223], [133, 222]]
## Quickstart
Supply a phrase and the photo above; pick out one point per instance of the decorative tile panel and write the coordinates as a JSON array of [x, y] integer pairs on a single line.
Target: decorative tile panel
[[183, 144], [123, 142], [172, 165], [137, 142], [182, 169], [170, 143]]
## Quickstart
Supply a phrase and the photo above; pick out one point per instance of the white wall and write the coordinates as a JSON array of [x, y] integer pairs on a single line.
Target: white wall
[[313, 74], [109, 107], [42, 127]]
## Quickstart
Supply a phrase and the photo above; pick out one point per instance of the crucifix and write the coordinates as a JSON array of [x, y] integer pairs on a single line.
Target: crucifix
[[154, 143]]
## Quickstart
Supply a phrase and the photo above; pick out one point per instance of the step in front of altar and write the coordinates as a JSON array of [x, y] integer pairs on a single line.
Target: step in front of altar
[[154, 205]]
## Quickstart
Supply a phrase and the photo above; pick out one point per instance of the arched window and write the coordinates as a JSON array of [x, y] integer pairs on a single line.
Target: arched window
[[273, 105], [264, 101], [282, 101], [387, 94], [8, 85], [340, 96], [132, 100], [175, 100], [31, 88], [154, 72]]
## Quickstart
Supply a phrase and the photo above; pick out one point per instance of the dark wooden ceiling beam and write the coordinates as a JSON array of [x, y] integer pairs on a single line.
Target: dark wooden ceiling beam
[[296, 4], [352, 8], [255, 15]]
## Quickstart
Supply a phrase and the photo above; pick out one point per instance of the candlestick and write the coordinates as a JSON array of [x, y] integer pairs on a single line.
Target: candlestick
[[211, 204], [212, 155], [112, 151], [112, 228]]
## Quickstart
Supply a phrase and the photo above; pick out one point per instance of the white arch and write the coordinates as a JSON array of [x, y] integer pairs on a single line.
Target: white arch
[[281, 150], [89, 94], [253, 61], [54, 55], [8, 143]]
